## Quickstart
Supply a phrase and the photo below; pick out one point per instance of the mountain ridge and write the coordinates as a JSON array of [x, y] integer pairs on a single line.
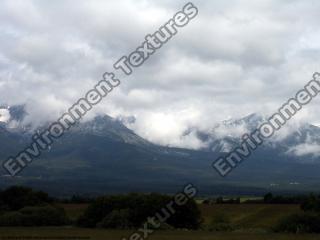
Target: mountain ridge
[[104, 155]]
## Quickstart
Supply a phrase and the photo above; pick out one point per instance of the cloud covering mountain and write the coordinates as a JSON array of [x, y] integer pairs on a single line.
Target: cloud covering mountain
[[103, 154], [235, 58]]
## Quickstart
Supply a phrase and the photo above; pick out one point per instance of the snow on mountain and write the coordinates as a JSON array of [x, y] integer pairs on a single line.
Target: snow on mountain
[[4, 114], [105, 150], [293, 140]]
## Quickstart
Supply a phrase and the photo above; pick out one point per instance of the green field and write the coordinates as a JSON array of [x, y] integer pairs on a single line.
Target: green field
[[253, 221]]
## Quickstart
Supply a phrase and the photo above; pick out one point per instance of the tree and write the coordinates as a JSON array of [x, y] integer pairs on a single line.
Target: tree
[[311, 204], [15, 198], [268, 198], [141, 207]]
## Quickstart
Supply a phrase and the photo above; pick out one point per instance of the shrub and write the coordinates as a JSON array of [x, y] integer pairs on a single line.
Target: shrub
[[186, 216], [117, 219], [299, 223], [34, 216], [311, 204], [141, 207], [11, 219], [15, 198], [44, 216]]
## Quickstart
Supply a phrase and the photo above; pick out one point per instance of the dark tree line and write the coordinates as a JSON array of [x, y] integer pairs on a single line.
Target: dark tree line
[[132, 210], [278, 199], [22, 206], [15, 198]]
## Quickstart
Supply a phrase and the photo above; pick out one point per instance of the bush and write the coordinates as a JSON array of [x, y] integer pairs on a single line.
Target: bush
[[11, 219], [299, 223], [311, 204], [141, 207], [45, 216], [117, 219], [34, 216], [186, 216], [15, 198]]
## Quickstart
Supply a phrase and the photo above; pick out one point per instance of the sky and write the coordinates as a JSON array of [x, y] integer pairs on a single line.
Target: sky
[[235, 58]]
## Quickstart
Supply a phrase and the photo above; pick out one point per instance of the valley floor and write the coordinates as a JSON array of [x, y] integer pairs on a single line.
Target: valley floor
[[253, 221]]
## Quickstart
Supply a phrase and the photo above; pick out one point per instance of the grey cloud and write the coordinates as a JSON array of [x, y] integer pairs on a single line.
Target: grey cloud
[[235, 58]]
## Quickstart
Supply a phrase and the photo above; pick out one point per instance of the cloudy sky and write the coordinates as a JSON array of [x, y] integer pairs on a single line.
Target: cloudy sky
[[233, 59]]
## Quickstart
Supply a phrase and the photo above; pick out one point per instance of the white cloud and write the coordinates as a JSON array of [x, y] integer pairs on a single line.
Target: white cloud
[[4, 115], [306, 149], [236, 57]]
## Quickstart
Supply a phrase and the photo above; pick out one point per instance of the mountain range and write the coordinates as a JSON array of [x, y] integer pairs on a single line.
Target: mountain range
[[104, 156]]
